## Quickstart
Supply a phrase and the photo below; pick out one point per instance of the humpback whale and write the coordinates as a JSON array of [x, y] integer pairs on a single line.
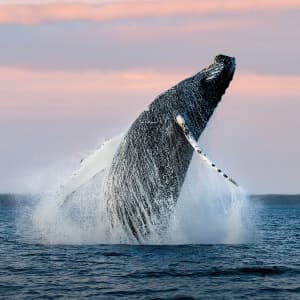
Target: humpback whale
[[147, 171]]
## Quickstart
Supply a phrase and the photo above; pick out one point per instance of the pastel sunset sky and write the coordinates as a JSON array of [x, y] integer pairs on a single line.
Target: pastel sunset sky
[[76, 73]]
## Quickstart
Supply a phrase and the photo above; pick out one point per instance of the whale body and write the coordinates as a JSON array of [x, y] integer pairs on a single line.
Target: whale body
[[145, 177]]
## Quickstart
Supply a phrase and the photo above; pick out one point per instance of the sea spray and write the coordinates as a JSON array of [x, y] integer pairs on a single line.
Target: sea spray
[[209, 210], [79, 220], [73, 212]]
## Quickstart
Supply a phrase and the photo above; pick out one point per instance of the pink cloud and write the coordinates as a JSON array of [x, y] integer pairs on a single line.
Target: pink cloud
[[32, 14], [30, 94], [150, 32], [258, 85]]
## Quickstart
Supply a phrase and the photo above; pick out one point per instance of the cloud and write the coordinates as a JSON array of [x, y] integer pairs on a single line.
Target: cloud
[[257, 85], [38, 13], [68, 94], [103, 94], [262, 43]]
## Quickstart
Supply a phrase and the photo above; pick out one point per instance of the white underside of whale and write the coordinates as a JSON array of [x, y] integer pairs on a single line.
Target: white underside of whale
[[96, 163]]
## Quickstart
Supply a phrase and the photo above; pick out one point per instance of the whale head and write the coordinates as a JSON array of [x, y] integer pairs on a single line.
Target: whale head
[[197, 97], [216, 78]]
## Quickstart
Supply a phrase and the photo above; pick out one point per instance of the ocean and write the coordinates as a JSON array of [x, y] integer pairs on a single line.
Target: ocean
[[267, 267]]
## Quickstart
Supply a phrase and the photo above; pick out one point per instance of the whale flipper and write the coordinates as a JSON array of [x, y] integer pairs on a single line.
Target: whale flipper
[[183, 123], [93, 166]]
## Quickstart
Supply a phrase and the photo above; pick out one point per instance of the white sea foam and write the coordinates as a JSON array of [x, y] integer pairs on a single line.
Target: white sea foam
[[209, 210]]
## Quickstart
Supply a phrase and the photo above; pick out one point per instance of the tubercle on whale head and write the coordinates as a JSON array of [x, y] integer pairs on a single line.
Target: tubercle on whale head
[[228, 63], [202, 92], [217, 77]]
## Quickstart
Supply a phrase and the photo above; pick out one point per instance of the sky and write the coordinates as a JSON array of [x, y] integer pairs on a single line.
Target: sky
[[73, 74]]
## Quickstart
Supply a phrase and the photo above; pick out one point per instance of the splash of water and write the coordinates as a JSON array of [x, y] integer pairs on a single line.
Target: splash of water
[[209, 210]]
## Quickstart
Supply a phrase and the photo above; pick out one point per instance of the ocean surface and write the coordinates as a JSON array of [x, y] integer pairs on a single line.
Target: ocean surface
[[267, 267]]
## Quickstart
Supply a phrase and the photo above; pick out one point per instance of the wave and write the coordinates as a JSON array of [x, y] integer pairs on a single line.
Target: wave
[[14, 200], [257, 271], [277, 200]]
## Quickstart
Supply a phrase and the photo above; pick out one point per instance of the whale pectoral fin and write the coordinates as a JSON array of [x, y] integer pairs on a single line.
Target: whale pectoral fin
[[183, 123], [66, 198], [93, 166]]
